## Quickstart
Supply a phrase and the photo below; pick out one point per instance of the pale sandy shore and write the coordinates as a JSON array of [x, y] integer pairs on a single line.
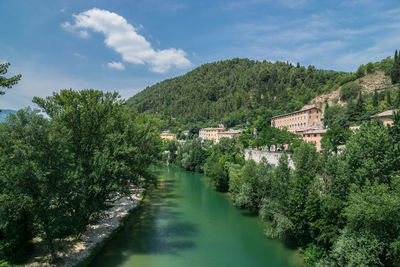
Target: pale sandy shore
[[75, 253]]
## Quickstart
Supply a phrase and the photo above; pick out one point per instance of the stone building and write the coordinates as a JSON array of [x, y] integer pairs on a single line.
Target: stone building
[[385, 116], [210, 133], [307, 117], [228, 134], [312, 136], [166, 135]]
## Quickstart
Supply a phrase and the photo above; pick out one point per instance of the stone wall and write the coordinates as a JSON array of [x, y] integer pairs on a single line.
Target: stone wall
[[271, 157]]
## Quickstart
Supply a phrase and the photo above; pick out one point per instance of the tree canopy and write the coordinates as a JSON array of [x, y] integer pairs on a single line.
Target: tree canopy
[[232, 90]]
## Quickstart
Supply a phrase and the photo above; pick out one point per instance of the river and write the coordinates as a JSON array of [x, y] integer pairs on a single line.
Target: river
[[184, 222]]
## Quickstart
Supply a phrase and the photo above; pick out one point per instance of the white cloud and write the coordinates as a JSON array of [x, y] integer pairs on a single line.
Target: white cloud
[[116, 65], [325, 40], [124, 39], [84, 34], [79, 55]]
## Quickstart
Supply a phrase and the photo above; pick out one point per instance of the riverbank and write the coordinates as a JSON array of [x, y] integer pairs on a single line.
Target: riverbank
[[76, 251]]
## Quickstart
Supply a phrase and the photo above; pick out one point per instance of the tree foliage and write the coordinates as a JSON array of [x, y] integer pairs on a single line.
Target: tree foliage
[[349, 91], [7, 82], [59, 175], [395, 72], [231, 90]]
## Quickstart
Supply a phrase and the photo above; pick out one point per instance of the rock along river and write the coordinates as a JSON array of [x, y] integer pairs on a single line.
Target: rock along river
[[184, 222]]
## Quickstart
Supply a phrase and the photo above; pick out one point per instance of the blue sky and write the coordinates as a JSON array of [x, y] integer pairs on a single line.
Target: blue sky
[[124, 46]]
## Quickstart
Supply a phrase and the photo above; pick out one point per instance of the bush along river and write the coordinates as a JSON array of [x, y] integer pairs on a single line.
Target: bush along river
[[184, 222]]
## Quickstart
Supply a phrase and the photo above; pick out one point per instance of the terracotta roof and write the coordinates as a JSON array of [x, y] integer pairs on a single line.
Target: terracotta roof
[[306, 107], [311, 131], [211, 129], [231, 132]]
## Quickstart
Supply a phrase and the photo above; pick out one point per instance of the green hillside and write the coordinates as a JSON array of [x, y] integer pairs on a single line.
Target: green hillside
[[234, 90]]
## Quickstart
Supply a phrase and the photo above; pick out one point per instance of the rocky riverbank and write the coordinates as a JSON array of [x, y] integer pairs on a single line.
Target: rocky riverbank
[[75, 251]]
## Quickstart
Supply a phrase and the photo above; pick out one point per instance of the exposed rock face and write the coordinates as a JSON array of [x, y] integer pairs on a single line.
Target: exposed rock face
[[377, 80]]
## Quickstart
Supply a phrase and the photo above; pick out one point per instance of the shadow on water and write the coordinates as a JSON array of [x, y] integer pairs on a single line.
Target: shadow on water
[[154, 228], [248, 213]]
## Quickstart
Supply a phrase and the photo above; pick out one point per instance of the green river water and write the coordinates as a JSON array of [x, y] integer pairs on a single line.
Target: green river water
[[184, 222]]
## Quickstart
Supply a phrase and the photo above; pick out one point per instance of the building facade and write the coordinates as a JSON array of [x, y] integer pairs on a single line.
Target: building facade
[[307, 117], [210, 133], [166, 135], [228, 134], [312, 136]]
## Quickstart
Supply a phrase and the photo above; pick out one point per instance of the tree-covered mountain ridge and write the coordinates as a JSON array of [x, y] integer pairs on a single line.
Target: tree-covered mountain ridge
[[237, 90]]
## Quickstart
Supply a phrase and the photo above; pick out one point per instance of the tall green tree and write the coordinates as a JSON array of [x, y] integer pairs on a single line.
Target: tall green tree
[[371, 236], [274, 205], [112, 147], [307, 163], [7, 82], [334, 137], [360, 71], [388, 98], [40, 167], [375, 99], [395, 72]]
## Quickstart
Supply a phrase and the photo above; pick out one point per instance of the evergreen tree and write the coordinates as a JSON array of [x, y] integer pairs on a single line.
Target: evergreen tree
[[395, 73], [326, 104], [7, 82], [370, 67], [360, 71], [375, 99], [388, 98], [397, 100]]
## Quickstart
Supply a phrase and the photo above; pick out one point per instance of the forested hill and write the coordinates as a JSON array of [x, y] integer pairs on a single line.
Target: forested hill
[[234, 91]]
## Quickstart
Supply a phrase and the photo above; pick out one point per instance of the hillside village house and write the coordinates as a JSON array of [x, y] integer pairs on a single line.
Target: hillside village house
[[166, 135], [210, 133], [312, 136], [307, 117], [231, 134], [306, 122], [215, 134], [385, 116]]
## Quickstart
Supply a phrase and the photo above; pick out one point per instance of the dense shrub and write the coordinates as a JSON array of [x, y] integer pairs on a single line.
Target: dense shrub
[[349, 91]]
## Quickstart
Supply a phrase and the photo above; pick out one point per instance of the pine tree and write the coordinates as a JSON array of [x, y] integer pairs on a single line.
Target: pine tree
[[395, 73], [375, 100], [388, 98], [7, 82], [326, 104], [397, 100]]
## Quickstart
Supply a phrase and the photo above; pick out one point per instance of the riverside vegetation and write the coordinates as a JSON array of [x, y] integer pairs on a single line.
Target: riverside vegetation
[[57, 175], [341, 209]]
